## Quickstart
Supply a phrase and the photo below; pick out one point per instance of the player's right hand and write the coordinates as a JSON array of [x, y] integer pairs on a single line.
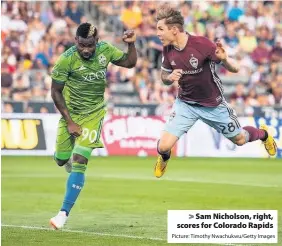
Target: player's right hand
[[74, 129], [175, 75], [129, 36]]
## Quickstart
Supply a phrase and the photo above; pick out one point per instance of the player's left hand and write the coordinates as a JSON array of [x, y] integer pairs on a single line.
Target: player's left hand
[[129, 36], [220, 51]]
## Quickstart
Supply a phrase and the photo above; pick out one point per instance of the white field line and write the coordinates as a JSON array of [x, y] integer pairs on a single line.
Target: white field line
[[132, 177], [82, 232], [97, 233]]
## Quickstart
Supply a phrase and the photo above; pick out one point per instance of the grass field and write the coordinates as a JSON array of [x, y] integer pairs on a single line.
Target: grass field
[[122, 203]]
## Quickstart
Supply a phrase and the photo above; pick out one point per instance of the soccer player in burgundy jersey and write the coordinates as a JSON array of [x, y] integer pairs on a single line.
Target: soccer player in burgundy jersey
[[190, 61]]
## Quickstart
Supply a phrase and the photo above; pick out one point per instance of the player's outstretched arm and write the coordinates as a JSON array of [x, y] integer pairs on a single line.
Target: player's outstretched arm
[[230, 64], [57, 96], [130, 58]]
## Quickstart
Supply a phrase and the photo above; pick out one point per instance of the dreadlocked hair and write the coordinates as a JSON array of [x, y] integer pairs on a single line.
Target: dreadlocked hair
[[86, 30]]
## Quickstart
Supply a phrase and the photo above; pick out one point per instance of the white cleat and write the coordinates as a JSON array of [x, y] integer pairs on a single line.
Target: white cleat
[[68, 166], [59, 220]]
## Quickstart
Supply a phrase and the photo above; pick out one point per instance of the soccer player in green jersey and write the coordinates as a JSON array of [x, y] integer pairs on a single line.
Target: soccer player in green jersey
[[78, 86]]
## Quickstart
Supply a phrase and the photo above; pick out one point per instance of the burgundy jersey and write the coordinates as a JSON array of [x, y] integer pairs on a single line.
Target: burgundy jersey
[[199, 82]]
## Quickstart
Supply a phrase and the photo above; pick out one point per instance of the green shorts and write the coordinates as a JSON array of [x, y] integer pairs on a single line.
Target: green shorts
[[91, 125]]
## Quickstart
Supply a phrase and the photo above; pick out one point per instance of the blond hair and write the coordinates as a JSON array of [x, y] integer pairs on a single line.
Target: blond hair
[[172, 17]]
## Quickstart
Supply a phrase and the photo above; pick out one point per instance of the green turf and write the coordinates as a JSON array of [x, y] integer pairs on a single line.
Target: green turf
[[121, 198]]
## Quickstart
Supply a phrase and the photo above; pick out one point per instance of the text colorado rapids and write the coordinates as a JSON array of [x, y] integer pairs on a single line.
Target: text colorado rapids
[[222, 216]]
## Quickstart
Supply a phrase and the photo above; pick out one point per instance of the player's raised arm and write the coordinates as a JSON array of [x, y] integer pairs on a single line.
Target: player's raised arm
[[230, 64], [130, 58]]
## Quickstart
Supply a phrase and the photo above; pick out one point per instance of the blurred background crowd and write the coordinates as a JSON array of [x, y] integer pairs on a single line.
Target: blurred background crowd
[[34, 34]]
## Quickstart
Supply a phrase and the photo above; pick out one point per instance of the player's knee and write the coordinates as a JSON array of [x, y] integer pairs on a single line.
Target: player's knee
[[239, 140], [60, 162], [79, 159]]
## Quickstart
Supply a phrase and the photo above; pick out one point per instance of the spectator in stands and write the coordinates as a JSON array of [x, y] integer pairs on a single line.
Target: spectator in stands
[[264, 34], [257, 77], [36, 30], [231, 38], [261, 53], [38, 90], [275, 90], [8, 108], [265, 16], [6, 80], [17, 24], [42, 31], [48, 85], [74, 15], [13, 43], [23, 11], [248, 20], [131, 15], [154, 45], [185, 12], [216, 11], [5, 23], [276, 52], [9, 58], [231, 41], [124, 75], [264, 99], [20, 91], [44, 110], [143, 85], [246, 64], [238, 97], [165, 95], [248, 41], [29, 109], [251, 99], [7, 69], [235, 12], [42, 57], [58, 8]]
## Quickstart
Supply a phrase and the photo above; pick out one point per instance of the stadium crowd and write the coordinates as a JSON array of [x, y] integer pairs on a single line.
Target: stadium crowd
[[34, 34]]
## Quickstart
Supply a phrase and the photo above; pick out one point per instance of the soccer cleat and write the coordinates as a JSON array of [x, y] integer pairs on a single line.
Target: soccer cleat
[[160, 167], [68, 166], [269, 143], [59, 220]]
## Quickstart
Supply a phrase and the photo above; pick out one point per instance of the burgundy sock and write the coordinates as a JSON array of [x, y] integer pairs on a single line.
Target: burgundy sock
[[255, 133]]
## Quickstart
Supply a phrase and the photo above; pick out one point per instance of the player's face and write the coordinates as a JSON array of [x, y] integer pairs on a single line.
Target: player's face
[[164, 33], [86, 46]]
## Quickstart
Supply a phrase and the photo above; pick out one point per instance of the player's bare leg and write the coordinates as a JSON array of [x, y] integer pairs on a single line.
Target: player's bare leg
[[250, 134], [165, 144]]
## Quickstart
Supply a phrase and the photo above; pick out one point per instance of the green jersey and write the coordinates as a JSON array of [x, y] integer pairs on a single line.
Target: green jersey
[[85, 80]]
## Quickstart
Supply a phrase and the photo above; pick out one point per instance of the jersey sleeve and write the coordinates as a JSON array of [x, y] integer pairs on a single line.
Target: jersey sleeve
[[60, 71], [211, 47], [165, 63], [116, 53]]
